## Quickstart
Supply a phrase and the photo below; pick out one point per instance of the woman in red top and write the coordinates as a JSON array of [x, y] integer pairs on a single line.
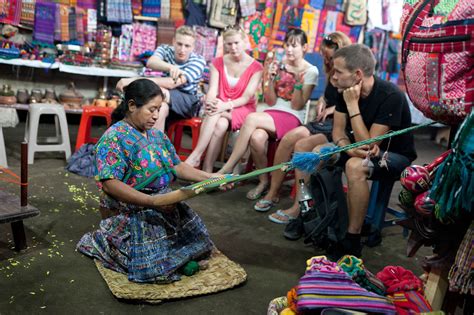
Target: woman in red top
[[231, 97]]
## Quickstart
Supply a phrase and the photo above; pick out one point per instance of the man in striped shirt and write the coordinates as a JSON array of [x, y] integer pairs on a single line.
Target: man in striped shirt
[[183, 70]]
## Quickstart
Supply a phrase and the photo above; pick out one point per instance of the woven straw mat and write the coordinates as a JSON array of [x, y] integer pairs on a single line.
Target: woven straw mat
[[221, 274]]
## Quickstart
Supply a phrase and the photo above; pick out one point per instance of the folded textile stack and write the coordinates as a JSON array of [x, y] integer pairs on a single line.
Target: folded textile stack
[[404, 289], [326, 285], [355, 268]]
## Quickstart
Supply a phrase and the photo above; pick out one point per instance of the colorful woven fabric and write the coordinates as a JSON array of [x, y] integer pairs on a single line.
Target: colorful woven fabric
[[153, 7], [149, 245], [72, 24], [10, 12], [325, 285], [165, 10], [404, 289], [119, 11], [45, 13], [461, 275], [247, 7], [144, 39], [80, 25], [206, 42], [64, 22], [137, 7], [87, 4], [27, 12], [355, 268]]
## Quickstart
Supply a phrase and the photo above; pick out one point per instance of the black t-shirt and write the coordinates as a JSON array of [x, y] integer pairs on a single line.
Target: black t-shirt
[[331, 95], [385, 105]]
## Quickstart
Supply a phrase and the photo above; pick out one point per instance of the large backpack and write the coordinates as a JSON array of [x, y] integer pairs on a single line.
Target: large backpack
[[326, 221], [438, 57]]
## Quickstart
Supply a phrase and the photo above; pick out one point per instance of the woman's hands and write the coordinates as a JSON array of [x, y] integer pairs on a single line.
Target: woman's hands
[[216, 106]]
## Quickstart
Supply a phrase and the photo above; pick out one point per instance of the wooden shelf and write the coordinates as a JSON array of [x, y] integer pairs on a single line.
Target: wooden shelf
[[146, 18]]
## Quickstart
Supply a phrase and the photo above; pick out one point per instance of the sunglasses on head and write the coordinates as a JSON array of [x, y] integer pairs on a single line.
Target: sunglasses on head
[[330, 43], [236, 27]]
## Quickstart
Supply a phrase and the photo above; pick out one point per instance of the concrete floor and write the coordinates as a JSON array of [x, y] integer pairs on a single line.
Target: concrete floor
[[50, 277]]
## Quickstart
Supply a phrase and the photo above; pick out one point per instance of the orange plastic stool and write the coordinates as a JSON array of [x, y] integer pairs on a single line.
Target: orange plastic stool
[[175, 133], [89, 112]]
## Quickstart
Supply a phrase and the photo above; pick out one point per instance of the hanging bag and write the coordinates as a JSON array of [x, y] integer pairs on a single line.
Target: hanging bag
[[356, 12], [223, 13], [438, 57]]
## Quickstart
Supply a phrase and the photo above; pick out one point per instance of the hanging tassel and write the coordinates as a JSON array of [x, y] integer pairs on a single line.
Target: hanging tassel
[[308, 162]]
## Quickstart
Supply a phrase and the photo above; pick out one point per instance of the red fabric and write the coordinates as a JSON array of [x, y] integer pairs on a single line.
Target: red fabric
[[225, 92], [284, 122], [396, 278]]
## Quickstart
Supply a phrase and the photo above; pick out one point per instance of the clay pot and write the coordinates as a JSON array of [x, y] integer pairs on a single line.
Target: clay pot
[[7, 100], [36, 96], [22, 96], [71, 96], [100, 103]]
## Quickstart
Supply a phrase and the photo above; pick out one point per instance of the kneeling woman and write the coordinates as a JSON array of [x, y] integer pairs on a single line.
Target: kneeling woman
[[289, 88], [147, 232]]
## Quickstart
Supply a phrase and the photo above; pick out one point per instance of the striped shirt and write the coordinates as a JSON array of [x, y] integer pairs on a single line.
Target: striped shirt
[[192, 68]]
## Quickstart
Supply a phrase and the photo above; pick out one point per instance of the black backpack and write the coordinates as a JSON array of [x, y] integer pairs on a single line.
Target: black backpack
[[326, 221]]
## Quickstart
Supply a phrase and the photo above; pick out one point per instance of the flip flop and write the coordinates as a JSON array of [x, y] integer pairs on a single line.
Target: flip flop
[[254, 194], [281, 214], [266, 205]]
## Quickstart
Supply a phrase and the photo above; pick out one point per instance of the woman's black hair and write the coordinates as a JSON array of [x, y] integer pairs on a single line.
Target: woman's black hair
[[141, 91], [296, 34]]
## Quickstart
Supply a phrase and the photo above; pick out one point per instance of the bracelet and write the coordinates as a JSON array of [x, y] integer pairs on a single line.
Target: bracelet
[[298, 87], [340, 139], [355, 115]]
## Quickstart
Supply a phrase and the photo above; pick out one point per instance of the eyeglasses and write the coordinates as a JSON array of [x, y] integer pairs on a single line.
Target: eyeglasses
[[330, 43]]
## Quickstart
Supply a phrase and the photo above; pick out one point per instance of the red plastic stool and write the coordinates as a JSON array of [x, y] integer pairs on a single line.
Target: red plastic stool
[[175, 133], [88, 112]]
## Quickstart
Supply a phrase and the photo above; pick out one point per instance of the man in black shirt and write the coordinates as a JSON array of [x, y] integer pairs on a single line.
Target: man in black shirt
[[367, 107]]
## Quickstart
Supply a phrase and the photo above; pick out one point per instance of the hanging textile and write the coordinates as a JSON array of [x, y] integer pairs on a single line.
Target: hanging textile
[[288, 14], [206, 42], [119, 11], [10, 12], [101, 11], [309, 24], [317, 4], [125, 43], [87, 4], [91, 21], [27, 12], [247, 7], [137, 7], [45, 16], [63, 28], [165, 11], [153, 7], [195, 13], [72, 24], [80, 25]]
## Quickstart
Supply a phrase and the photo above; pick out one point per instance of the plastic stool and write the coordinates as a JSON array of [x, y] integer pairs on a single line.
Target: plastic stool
[[175, 133], [378, 206], [3, 150], [88, 113], [62, 133]]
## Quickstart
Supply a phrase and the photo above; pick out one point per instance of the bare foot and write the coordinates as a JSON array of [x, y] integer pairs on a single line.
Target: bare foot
[[258, 191]]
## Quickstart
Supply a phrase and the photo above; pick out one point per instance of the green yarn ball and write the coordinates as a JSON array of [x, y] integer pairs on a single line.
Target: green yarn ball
[[190, 268]]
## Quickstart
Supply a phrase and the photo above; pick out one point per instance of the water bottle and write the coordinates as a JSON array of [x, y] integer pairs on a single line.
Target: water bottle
[[306, 200]]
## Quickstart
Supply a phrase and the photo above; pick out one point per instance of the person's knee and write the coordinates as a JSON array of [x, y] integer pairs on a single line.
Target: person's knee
[[258, 139], [164, 109], [292, 137], [221, 126], [251, 121], [355, 171]]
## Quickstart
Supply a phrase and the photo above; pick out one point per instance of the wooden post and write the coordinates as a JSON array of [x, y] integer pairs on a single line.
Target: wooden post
[[436, 287], [24, 174]]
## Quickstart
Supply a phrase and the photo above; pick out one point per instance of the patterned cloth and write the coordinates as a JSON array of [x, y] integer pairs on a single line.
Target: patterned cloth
[[206, 42], [404, 289], [152, 8], [192, 68], [325, 285], [10, 11], [461, 275], [87, 4], [247, 7], [27, 12], [355, 268], [148, 245], [144, 39], [45, 14], [119, 11]]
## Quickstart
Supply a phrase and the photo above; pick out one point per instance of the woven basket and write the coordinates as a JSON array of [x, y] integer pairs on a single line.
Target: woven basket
[[222, 274]]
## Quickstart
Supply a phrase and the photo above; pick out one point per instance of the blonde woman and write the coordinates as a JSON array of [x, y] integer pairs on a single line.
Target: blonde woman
[[305, 138], [231, 97], [289, 87]]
